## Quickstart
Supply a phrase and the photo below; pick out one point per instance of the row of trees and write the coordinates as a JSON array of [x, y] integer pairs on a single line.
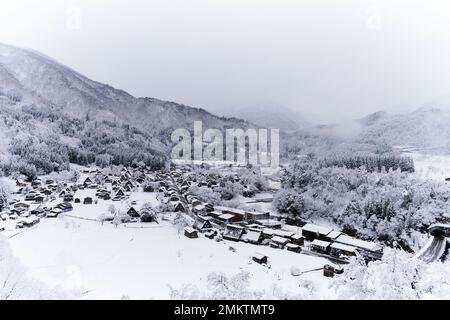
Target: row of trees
[[396, 276], [371, 162], [384, 206], [16, 283], [44, 140], [250, 180]]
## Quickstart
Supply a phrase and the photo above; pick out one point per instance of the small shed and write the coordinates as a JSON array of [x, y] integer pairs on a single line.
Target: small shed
[[202, 224], [253, 236], [53, 213], [293, 247], [211, 234], [233, 232], [190, 232], [333, 235], [132, 212], [227, 217], [149, 188], [179, 207], [339, 249], [87, 200], [30, 221], [120, 193], [311, 231], [199, 209], [329, 270], [68, 198], [259, 258], [254, 215], [65, 206], [39, 198], [320, 246], [279, 242], [298, 239]]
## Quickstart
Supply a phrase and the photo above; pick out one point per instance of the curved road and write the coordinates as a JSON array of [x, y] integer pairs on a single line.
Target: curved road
[[433, 250]]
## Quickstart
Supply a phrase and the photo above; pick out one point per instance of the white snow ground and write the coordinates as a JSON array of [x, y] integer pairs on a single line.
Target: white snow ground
[[93, 261], [431, 166]]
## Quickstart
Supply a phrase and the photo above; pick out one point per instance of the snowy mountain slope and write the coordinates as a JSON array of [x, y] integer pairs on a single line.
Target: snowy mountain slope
[[271, 116], [79, 96], [425, 128], [51, 115]]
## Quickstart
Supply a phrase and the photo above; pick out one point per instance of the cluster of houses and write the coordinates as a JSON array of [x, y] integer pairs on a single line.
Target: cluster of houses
[[329, 241], [260, 228], [33, 199]]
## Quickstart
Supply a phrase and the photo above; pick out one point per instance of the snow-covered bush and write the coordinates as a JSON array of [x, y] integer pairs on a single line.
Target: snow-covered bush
[[396, 276], [384, 206], [295, 271], [206, 194], [15, 283], [289, 201], [236, 287]]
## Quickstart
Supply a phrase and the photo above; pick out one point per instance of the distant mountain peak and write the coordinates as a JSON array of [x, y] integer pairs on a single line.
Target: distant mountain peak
[[373, 117], [429, 108], [271, 116]]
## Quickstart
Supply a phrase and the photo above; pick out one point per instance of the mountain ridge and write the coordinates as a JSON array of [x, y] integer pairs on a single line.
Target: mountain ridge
[[52, 115]]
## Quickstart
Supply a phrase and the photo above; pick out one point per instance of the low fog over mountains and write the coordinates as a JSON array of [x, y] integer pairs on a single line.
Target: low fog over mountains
[[52, 115], [271, 116]]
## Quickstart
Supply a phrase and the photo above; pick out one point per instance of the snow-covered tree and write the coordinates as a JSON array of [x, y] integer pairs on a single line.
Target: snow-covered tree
[[395, 276], [15, 283]]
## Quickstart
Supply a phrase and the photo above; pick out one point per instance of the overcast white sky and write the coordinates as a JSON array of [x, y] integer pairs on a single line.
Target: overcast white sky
[[332, 59]]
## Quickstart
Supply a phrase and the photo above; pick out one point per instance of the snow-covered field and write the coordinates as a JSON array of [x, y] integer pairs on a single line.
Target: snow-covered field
[[91, 260], [431, 166], [93, 211], [104, 262]]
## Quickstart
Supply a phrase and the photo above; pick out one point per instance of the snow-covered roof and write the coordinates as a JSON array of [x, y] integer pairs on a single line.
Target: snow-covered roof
[[282, 233], [371, 246], [334, 234], [228, 209], [279, 239], [189, 230], [226, 216], [320, 243], [269, 222], [343, 247], [259, 256], [256, 213], [31, 219], [252, 235], [316, 229], [233, 226]]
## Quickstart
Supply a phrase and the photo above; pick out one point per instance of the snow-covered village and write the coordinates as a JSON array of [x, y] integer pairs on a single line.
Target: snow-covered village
[[284, 184], [115, 232]]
